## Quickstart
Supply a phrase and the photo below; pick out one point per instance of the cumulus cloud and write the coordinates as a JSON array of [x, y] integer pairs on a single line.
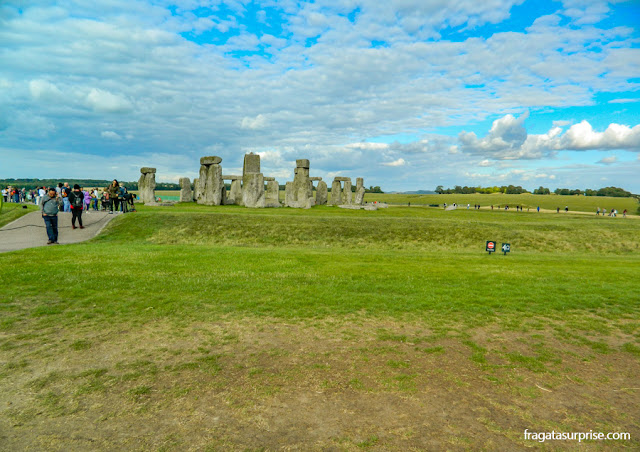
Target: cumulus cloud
[[106, 102], [109, 134], [508, 139], [259, 122], [399, 162]]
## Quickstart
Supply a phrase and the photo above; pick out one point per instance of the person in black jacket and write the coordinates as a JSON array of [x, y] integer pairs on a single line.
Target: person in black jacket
[[76, 200]]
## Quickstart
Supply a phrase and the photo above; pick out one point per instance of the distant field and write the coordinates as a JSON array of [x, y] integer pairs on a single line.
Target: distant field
[[547, 202], [224, 328]]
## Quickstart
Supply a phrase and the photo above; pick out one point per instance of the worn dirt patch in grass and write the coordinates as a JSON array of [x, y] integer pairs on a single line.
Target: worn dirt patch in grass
[[332, 384]]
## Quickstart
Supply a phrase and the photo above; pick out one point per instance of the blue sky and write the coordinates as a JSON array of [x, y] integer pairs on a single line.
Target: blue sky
[[407, 94]]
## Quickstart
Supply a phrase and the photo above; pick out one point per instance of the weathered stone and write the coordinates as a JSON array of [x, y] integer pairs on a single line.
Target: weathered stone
[[235, 192], [251, 164], [336, 193], [321, 194], [210, 160], [315, 179], [269, 179], [342, 179], [347, 197], [288, 194], [371, 207], [272, 193], [228, 177], [350, 206], [210, 187], [360, 196], [196, 184], [214, 186], [253, 188], [301, 190], [147, 185], [359, 183], [186, 194]]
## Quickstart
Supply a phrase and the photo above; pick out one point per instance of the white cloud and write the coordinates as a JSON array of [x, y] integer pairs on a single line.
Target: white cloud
[[508, 139], [623, 101], [259, 122], [399, 162], [608, 160], [110, 135], [43, 90], [106, 102]]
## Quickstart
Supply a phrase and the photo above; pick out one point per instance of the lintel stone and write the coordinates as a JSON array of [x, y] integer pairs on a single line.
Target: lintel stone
[[147, 170], [269, 179], [315, 179], [302, 163], [210, 160], [343, 179], [230, 177]]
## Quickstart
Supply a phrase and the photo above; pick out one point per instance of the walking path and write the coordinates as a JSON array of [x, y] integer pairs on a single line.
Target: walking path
[[29, 231]]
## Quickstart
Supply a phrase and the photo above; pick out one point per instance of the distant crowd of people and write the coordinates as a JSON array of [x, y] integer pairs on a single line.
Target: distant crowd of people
[[62, 198]]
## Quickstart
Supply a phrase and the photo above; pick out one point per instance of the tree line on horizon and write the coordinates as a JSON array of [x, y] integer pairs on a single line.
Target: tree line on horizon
[[615, 192]]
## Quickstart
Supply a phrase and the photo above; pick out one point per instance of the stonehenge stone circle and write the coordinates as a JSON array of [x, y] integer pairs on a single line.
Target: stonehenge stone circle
[[147, 185], [186, 194]]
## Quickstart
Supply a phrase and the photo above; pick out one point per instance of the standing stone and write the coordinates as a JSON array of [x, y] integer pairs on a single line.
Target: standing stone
[[196, 184], [347, 195], [186, 194], [288, 194], [360, 191], [252, 182], [209, 188], [321, 193], [301, 190], [271, 197], [235, 192], [336, 193], [147, 185]]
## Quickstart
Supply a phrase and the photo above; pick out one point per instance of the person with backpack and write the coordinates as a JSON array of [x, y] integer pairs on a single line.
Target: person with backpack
[[76, 203]]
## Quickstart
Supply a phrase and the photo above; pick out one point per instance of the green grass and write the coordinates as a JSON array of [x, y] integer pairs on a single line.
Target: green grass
[[547, 202], [237, 312], [12, 211]]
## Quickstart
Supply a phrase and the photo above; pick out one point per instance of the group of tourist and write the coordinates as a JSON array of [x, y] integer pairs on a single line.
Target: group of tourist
[[62, 198], [612, 212]]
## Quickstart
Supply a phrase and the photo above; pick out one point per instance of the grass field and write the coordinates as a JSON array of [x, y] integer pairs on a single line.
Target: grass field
[[546, 202], [224, 328]]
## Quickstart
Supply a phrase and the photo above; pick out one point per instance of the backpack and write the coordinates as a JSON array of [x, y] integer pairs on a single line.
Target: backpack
[[77, 200]]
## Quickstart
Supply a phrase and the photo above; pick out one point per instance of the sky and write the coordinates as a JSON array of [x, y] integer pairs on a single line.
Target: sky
[[407, 94]]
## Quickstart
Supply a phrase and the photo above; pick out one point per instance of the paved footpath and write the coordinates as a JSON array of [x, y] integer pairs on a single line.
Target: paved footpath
[[29, 231]]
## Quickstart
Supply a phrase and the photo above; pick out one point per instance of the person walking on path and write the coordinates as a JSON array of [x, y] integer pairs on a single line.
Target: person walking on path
[[87, 200], [76, 202], [64, 192], [50, 216], [114, 192]]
